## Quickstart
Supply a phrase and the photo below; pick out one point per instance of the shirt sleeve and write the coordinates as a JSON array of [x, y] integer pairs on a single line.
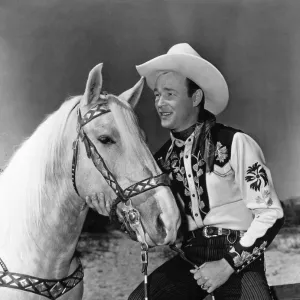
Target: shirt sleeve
[[255, 182]]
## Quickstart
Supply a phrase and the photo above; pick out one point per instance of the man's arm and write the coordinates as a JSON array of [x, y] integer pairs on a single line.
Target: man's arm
[[256, 185]]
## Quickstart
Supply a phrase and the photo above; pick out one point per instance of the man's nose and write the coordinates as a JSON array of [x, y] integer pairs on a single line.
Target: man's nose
[[160, 101]]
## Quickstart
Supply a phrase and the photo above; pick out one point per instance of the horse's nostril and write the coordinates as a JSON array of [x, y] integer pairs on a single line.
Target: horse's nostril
[[160, 222], [161, 226]]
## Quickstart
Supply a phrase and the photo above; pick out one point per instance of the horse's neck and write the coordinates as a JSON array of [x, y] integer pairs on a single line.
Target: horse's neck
[[40, 217], [43, 246], [40, 220]]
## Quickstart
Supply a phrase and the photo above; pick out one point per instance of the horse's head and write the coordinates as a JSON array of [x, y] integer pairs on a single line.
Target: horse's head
[[111, 156]]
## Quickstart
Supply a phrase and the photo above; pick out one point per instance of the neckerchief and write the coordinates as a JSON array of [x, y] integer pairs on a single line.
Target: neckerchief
[[203, 146]]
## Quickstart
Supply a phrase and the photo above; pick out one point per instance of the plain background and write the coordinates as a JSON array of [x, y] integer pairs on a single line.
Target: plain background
[[48, 47]]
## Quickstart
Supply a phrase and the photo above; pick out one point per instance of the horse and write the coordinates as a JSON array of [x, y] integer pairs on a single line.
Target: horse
[[92, 143]]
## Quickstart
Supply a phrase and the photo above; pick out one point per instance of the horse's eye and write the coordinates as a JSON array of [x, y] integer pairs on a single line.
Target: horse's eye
[[104, 139]]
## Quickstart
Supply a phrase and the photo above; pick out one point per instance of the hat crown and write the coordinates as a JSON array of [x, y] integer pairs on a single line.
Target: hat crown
[[183, 48]]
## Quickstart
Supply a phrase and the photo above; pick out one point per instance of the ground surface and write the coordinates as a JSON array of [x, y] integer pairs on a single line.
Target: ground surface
[[112, 263]]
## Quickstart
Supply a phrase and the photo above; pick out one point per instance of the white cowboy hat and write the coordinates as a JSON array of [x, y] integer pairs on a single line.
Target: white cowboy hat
[[182, 58]]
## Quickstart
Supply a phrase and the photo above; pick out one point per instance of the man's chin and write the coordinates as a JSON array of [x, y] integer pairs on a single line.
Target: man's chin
[[166, 124]]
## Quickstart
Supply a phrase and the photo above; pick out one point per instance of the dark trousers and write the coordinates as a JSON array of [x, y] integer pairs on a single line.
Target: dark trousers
[[173, 279]]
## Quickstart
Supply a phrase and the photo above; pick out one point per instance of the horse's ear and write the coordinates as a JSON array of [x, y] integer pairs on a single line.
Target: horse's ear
[[132, 96], [93, 85]]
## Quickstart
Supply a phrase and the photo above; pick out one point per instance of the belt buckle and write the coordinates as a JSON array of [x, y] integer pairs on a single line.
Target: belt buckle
[[206, 234]]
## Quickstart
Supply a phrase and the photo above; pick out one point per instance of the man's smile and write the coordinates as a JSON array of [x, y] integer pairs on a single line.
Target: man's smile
[[164, 114]]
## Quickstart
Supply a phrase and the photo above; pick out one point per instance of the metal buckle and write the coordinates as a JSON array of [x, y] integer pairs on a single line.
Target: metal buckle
[[236, 236], [144, 256], [206, 234], [75, 144]]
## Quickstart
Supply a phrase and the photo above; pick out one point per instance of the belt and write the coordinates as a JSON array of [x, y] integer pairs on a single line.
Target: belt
[[211, 231]]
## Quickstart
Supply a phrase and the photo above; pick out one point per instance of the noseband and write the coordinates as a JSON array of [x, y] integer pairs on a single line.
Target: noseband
[[131, 215]]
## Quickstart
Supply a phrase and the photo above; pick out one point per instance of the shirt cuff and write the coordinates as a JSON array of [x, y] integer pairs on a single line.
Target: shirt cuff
[[240, 257]]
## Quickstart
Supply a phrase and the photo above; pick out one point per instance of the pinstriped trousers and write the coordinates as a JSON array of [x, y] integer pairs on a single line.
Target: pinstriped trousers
[[173, 280]]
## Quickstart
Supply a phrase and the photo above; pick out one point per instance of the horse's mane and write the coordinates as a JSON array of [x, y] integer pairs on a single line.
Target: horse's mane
[[28, 172]]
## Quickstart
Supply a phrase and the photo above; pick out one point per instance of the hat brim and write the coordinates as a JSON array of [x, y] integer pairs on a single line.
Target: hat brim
[[199, 70]]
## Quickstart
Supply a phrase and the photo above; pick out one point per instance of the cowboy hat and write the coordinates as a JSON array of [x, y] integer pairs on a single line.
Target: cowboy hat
[[182, 58]]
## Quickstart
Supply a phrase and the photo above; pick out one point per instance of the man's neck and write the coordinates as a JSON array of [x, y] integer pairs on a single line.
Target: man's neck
[[184, 134]]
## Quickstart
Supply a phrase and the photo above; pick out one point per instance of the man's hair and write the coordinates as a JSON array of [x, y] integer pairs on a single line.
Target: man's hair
[[192, 87]]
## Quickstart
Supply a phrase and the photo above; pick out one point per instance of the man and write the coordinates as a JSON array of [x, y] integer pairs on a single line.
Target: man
[[230, 210]]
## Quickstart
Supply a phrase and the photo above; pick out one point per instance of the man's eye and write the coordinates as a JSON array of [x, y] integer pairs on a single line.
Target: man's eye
[[104, 139], [156, 97]]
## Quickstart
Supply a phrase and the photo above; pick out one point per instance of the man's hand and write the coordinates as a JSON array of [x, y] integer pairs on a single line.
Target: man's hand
[[212, 274], [99, 203]]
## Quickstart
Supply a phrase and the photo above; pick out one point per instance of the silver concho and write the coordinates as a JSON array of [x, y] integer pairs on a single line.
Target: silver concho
[[131, 214]]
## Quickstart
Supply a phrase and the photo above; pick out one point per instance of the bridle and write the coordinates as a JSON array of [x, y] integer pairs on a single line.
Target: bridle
[[132, 218], [123, 195], [54, 288]]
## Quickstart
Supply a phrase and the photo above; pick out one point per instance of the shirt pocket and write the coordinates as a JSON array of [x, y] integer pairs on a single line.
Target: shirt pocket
[[224, 171]]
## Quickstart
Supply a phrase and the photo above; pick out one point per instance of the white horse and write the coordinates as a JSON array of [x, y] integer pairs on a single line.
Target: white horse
[[42, 215]]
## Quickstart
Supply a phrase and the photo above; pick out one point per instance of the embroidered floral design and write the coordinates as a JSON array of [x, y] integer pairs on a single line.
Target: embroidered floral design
[[266, 198], [247, 257], [221, 152], [179, 177], [175, 162], [257, 175], [187, 192], [173, 156], [199, 190], [164, 164], [197, 169], [201, 205], [240, 259]]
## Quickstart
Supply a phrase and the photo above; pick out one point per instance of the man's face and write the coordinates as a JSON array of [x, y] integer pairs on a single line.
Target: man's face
[[174, 106]]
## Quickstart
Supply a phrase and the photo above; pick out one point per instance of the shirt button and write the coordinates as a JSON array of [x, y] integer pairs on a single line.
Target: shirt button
[[186, 156], [193, 195], [189, 140], [196, 215], [189, 175]]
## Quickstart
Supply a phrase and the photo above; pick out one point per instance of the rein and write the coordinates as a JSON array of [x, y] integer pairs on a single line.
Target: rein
[[182, 255]]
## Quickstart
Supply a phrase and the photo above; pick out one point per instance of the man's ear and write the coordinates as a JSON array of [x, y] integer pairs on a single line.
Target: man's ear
[[197, 97]]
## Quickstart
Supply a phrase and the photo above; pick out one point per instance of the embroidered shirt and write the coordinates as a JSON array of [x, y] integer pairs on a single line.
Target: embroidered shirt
[[238, 194], [187, 170]]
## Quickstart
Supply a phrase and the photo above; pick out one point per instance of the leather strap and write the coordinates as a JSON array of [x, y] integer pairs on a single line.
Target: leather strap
[[212, 231], [50, 288]]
